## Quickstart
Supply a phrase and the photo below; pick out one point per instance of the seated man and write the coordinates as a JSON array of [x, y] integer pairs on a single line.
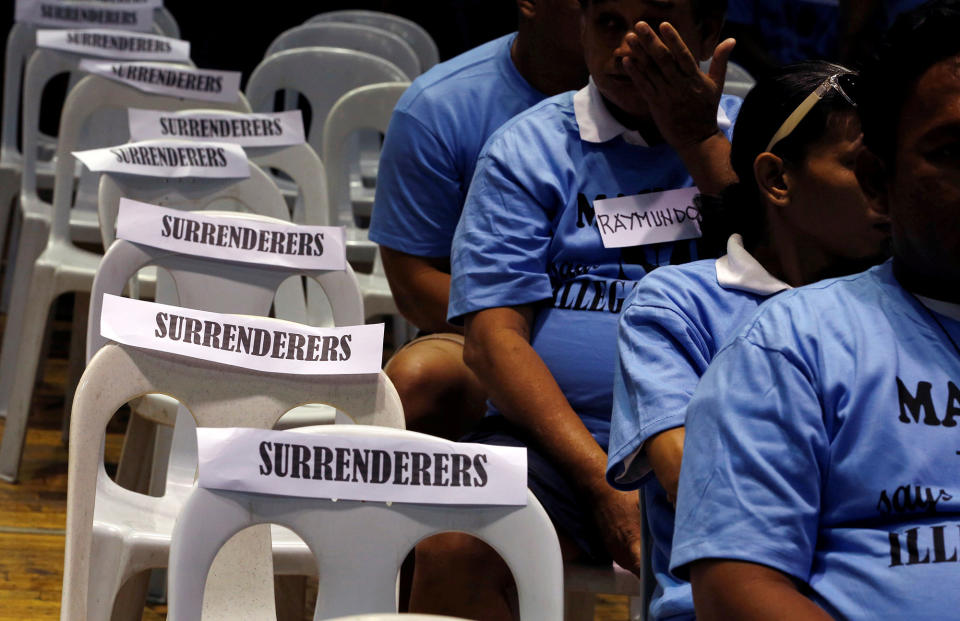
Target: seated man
[[540, 294], [436, 133], [819, 475]]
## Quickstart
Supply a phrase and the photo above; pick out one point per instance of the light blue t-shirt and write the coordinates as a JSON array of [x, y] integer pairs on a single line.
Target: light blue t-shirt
[[528, 236], [671, 327], [436, 133], [822, 442]]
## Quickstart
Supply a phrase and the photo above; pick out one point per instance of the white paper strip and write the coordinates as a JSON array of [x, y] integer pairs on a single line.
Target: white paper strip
[[351, 466], [153, 3], [167, 79], [59, 14], [262, 242], [651, 218], [115, 44], [248, 130], [257, 343], [170, 158]]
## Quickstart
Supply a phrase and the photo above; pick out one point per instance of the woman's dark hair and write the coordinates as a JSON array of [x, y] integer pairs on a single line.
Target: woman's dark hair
[[739, 208]]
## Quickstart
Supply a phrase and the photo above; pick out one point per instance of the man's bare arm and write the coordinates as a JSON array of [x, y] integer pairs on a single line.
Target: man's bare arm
[[725, 589], [421, 288], [520, 384]]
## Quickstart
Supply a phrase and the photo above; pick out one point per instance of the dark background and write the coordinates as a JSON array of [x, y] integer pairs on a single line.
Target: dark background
[[234, 35]]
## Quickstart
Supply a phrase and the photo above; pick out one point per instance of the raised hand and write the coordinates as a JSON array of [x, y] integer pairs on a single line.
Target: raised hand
[[681, 98]]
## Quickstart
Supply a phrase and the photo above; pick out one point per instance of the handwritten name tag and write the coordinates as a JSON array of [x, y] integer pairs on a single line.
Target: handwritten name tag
[[56, 14], [257, 343], [115, 44], [170, 158], [167, 79], [262, 242], [248, 130], [644, 219], [352, 465]]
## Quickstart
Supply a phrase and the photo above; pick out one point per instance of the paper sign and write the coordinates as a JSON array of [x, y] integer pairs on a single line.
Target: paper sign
[[115, 44], [170, 158], [257, 343], [356, 466], [51, 13], [651, 218], [262, 242], [167, 79], [248, 130]]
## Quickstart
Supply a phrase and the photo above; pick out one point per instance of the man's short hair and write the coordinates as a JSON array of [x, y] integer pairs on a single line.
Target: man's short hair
[[702, 9], [917, 40]]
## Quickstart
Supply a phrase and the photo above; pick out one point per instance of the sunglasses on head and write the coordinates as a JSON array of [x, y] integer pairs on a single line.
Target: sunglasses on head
[[843, 83]]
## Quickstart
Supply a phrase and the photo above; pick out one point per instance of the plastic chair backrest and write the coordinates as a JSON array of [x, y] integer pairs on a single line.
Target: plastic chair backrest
[[412, 32], [214, 285], [366, 107], [322, 75], [359, 546], [21, 42], [358, 37], [216, 396], [165, 22], [92, 94]]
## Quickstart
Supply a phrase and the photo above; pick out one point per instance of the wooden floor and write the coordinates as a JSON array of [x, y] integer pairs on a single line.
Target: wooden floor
[[33, 512]]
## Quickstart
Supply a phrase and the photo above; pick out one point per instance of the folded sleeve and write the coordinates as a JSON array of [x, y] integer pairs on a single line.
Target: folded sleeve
[[501, 247], [661, 357], [420, 190], [754, 460]]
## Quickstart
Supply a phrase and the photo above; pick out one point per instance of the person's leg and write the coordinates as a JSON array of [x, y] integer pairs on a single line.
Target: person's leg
[[441, 396], [458, 575]]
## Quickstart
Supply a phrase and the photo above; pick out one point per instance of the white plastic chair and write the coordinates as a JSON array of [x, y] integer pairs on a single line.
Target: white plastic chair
[[322, 75], [399, 616], [367, 107], [358, 37], [359, 546], [412, 32], [113, 533], [48, 262], [21, 45], [165, 22]]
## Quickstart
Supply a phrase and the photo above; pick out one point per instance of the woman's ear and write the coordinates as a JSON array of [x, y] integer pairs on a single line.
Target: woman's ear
[[772, 182], [872, 175]]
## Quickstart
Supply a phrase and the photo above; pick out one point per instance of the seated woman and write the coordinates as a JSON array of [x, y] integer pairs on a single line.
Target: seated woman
[[797, 215]]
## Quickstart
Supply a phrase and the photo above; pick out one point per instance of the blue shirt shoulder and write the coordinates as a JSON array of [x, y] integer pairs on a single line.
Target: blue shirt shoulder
[[819, 444], [436, 132]]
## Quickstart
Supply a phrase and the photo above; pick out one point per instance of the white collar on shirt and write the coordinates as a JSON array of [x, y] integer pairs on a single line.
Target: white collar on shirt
[[598, 125], [739, 270], [947, 309]]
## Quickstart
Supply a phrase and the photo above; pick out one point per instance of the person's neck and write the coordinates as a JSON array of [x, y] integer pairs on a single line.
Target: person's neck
[[543, 67], [645, 125], [931, 283], [798, 260]]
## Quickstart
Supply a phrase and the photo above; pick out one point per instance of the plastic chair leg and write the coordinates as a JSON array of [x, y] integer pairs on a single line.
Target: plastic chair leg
[[9, 187], [6, 292], [27, 320], [32, 241], [136, 456], [132, 598], [108, 567], [637, 611], [78, 350]]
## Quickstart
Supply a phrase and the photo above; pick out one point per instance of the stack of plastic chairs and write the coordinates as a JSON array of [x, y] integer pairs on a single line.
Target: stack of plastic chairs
[[48, 262]]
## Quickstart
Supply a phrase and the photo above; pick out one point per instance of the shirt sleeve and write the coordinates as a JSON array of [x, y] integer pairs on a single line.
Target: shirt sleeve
[[419, 190], [754, 457], [661, 359], [500, 250]]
